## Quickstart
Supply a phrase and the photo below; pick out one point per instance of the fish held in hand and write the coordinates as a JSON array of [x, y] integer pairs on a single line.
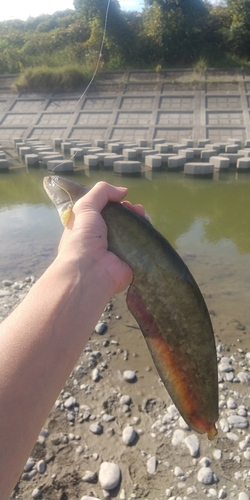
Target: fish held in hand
[[165, 301]]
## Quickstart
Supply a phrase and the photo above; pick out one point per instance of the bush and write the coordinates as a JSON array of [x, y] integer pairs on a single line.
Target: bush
[[46, 79]]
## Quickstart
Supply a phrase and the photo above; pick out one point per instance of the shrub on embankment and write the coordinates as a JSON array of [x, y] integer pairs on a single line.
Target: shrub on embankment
[[45, 79]]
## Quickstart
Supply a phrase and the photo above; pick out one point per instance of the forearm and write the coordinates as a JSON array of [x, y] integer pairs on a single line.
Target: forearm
[[41, 341]]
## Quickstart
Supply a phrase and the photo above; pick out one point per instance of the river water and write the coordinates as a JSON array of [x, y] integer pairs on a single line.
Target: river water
[[206, 220]]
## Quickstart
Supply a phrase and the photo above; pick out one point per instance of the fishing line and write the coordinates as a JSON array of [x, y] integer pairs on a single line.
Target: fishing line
[[95, 70]]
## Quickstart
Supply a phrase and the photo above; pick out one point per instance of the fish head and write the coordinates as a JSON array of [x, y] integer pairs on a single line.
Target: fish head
[[64, 194]]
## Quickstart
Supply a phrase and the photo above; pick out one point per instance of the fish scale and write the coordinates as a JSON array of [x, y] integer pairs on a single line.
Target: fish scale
[[167, 304]]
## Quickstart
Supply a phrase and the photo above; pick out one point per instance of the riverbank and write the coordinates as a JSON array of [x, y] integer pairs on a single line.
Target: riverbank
[[158, 456]]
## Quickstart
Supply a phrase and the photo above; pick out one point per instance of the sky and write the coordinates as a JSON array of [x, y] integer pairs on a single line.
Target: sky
[[22, 9]]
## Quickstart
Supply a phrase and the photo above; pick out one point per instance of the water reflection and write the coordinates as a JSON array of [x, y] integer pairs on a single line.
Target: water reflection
[[191, 213]]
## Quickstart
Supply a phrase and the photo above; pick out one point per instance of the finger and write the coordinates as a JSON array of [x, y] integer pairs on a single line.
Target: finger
[[136, 208], [99, 196]]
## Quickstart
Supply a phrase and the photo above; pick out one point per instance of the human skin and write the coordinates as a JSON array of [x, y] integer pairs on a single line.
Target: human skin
[[42, 339]]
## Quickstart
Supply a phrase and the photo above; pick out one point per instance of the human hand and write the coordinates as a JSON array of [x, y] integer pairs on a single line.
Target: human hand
[[85, 238]]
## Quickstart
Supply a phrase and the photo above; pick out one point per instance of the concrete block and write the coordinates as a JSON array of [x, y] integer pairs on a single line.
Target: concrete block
[[17, 140], [99, 143], [199, 169], [233, 157], [2, 155], [31, 160], [142, 143], [4, 166], [202, 143], [176, 162], [231, 148], [162, 148], [108, 161], [153, 161], [83, 144], [95, 151], [114, 147], [127, 167], [147, 152], [243, 165], [77, 153], [247, 143], [197, 152], [244, 152], [65, 166], [231, 140], [160, 140], [92, 161], [219, 162], [188, 153], [55, 156], [165, 157], [128, 145], [129, 154], [24, 150], [44, 152], [178, 147], [188, 142], [65, 146], [20, 145], [207, 153], [57, 142]]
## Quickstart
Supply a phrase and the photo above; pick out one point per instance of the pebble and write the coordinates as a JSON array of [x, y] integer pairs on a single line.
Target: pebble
[[125, 400], [129, 376], [108, 418], [243, 496], [222, 494], [151, 465], [89, 477], [205, 475], [178, 472], [41, 466], [243, 377], [205, 462], [71, 401], [193, 445], [109, 475], [29, 464], [96, 428], [129, 435], [238, 421], [36, 493], [101, 327], [178, 437], [217, 454], [95, 375], [87, 497]]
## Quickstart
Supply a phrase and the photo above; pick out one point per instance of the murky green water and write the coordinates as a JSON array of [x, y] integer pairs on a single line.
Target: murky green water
[[207, 221]]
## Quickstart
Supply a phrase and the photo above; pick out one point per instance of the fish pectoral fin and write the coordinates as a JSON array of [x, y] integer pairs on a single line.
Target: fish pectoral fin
[[66, 215]]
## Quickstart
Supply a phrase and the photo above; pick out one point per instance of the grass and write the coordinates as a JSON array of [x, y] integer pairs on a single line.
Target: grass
[[46, 79]]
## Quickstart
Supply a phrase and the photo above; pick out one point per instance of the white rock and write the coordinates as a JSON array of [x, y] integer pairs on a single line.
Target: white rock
[[205, 475], [29, 464], [167, 418], [151, 465], [178, 437], [217, 454], [225, 366], [89, 476], [173, 411], [222, 494], [224, 425], [36, 493], [101, 327], [96, 428], [243, 377], [125, 400], [109, 475], [212, 492], [237, 421], [122, 494], [231, 404], [245, 443], [129, 376], [41, 466], [95, 375], [183, 424], [193, 445], [243, 496], [71, 401], [232, 436], [247, 454], [87, 497], [205, 462], [129, 435], [178, 472]]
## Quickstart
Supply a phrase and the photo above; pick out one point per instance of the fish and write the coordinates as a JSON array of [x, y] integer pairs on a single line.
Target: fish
[[166, 302]]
